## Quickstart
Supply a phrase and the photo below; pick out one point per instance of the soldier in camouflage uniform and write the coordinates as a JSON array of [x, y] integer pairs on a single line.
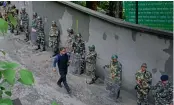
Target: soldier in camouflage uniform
[[25, 22], [54, 38], [143, 80], [40, 34], [79, 49], [70, 39], [163, 91], [91, 63], [115, 68], [12, 11], [16, 16]]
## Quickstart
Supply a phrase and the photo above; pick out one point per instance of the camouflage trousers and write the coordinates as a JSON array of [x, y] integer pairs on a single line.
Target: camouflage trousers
[[41, 39], [114, 89], [142, 98], [54, 44], [91, 70], [162, 101], [25, 28]]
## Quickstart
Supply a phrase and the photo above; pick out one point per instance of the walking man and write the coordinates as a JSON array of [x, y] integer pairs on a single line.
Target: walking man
[[62, 60]]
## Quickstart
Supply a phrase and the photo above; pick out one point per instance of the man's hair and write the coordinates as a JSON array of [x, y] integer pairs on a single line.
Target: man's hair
[[62, 48]]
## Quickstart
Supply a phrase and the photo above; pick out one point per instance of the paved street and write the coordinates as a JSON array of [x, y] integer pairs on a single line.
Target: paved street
[[45, 89]]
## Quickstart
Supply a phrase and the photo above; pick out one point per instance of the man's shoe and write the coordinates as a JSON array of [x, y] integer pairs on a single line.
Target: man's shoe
[[69, 91], [59, 85]]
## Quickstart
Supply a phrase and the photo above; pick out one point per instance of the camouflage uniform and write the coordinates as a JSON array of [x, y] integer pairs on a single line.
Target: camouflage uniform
[[91, 63], [34, 21], [79, 50], [13, 12], [54, 38], [40, 34], [115, 76], [70, 39], [16, 16], [143, 87], [25, 22], [163, 92]]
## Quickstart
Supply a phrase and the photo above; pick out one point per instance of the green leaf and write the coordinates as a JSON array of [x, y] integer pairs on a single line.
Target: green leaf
[[3, 26], [8, 65], [12, 20], [26, 77], [54, 103], [8, 93], [2, 88], [3, 52], [6, 101], [0, 75], [9, 75]]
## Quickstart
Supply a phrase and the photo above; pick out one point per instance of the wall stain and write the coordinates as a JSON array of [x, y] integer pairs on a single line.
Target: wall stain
[[154, 70], [104, 36], [83, 23], [134, 35], [116, 37], [169, 62]]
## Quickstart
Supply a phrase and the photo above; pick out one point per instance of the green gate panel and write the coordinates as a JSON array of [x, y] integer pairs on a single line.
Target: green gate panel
[[155, 14]]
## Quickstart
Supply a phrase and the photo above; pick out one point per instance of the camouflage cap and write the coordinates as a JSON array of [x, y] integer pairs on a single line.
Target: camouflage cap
[[13, 6], [114, 57], [34, 14], [79, 35], [23, 8], [93, 47], [164, 77], [39, 18], [144, 65], [70, 30], [53, 22]]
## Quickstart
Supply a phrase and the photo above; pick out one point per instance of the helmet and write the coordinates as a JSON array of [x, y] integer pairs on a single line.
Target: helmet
[[23, 8], [93, 47], [144, 65], [144, 83], [70, 30], [53, 22], [114, 57], [79, 35], [39, 18], [34, 14], [13, 6]]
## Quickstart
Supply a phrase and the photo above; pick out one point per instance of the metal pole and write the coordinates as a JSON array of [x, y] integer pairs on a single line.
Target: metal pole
[[136, 12]]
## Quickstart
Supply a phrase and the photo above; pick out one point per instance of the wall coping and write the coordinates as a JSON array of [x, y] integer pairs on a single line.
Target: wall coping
[[120, 22]]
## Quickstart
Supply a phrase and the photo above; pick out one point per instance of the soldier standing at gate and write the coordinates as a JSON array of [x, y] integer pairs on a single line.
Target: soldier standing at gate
[[163, 91], [79, 49], [40, 34], [143, 80], [91, 63], [54, 38], [25, 22], [115, 68]]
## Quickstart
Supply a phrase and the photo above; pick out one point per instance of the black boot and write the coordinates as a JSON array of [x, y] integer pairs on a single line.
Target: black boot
[[118, 94], [138, 103], [38, 47], [43, 48]]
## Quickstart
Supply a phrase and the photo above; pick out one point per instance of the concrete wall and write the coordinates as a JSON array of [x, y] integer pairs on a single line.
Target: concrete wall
[[132, 43]]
